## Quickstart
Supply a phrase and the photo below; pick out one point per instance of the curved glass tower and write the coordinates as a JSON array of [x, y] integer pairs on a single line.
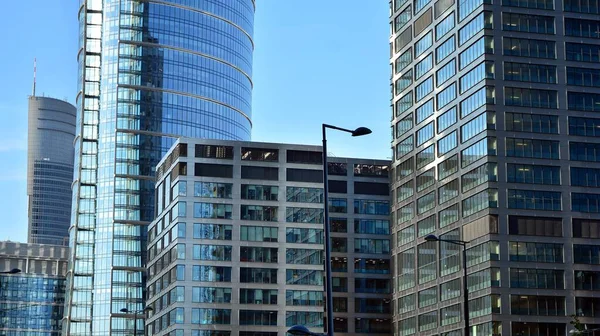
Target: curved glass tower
[[150, 71]]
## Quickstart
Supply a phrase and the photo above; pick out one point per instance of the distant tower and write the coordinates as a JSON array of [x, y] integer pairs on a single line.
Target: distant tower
[[49, 169]]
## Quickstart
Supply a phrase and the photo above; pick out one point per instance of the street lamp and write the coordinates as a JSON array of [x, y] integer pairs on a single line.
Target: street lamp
[[12, 271], [462, 243], [357, 132], [135, 316]]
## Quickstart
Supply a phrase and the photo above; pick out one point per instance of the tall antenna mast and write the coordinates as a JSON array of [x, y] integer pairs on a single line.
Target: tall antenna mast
[[34, 73]]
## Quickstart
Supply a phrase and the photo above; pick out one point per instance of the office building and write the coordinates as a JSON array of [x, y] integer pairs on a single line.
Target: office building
[[150, 71], [49, 169], [236, 248], [31, 302], [495, 141]]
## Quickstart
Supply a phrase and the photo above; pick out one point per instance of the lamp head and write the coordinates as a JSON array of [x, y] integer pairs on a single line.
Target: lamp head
[[14, 271], [431, 238], [361, 131], [299, 330], [148, 309], [124, 310]]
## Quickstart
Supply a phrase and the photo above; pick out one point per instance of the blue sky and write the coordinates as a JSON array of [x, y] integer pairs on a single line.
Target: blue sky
[[315, 61]]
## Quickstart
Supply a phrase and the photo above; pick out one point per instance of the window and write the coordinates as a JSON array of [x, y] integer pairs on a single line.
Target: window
[[367, 305], [532, 148], [211, 294], [305, 195], [479, 98], [213, 170], [371, 207], [308, 157], [426, 226], [425, 133], [534, 4], [423, 89], [404, 147], [481, 21], [424, 111], [446, 72], [424, 43], [582, 151], [259, 192], [212, 231], [420, 4], [423, 66], [212, 252], [407, 326], [426, 203], [487, 172], [404, 81], [534, 200], [304, 236], [531, 123], [483, 279], [403, 39], [447, 119], [587, 280], [589, 203], [586, 228], [258, 275], [582, 28], [338, 205], [303, 256], [211, 273], [448, 216], [403, 60], [532, 174], [258, 317], [258, 233], [369, 285], [580, 101], [480, 149], [582, 6], [211, 316], [477, 74], [210, 210], [426, 180], [529, 47], [372, 226], [372, 325], [524, 328], [427, 262], [530, 98], [527, 72], [485, 45], [583, 76], [484, 305], [476, 126], [480, 201], [404, 169], [214, 152], [535, 226], [527, 23], [466, 7], [537, 278], [445, 49], [450, 315], [446, 96], [372, 246], [258, 213], [406, 235], [304, 215], [260, 173], [304, 277], [425, 156], [585, 177], [537, 305], [402, 19], [584, 126], [445, 26], [483, 252], [582, 52], [428, 321], [404, 103], [260, 154], [304, 175], [405, 213], [303, 298], [404, 126], [586, 254], [535, 252], [450, 289], [448, 191], [406, 269], [447, 143]]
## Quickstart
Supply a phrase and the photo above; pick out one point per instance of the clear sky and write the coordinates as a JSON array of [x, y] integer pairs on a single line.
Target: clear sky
[[315, 61]]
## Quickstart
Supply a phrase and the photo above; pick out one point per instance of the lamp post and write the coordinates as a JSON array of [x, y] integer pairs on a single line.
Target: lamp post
[[136, 313], [465, 287], [357, 132]]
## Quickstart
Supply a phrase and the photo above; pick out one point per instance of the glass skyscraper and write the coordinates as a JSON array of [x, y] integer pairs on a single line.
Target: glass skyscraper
[[495, 140], [149, 72]]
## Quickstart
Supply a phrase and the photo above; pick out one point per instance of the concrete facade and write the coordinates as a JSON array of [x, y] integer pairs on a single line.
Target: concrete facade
[[237, 245], [50, 155]]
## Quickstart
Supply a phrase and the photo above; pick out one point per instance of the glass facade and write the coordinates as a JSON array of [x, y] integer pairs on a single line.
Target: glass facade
[[148, 72], [506, 158]]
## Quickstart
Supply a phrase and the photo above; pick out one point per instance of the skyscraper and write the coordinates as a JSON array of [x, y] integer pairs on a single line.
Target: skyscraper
[[51, 131], [495, 138], [237, 245], [150, 71]]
